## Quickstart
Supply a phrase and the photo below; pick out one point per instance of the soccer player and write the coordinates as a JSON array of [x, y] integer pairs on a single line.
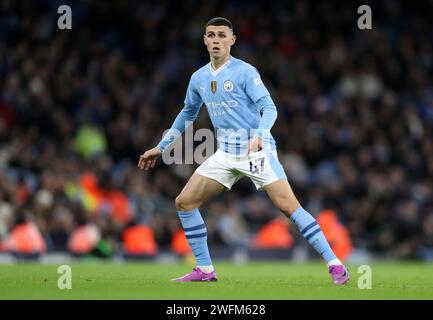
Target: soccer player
[[243, 113]]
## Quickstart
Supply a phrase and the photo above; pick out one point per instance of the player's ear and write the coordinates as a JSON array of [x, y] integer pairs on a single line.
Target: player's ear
[[233, 39]]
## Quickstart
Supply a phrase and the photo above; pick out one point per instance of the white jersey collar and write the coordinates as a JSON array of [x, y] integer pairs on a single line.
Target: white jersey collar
[[220, 68]]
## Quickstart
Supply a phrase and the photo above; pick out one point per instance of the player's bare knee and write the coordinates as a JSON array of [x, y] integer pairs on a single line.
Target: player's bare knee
[[182, 203], [285, 206], [285, 209], [179, 202]]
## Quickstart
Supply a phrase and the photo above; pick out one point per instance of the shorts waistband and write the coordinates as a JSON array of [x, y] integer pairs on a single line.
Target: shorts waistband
[[245, 156]]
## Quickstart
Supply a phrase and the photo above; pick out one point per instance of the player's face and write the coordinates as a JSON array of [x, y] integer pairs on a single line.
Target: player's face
[[218, 40]]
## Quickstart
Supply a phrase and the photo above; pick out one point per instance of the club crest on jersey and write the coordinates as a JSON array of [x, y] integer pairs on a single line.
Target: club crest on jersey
[[228, 86], [213, 86]]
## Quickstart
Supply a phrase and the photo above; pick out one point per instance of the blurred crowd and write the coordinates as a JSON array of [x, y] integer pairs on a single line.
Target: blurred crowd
[[78, 107]]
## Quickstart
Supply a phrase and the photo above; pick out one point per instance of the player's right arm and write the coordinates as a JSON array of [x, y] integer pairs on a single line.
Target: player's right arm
[[189, 112]]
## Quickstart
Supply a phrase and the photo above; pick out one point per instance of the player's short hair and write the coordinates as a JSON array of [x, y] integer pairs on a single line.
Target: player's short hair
[[220, 21]]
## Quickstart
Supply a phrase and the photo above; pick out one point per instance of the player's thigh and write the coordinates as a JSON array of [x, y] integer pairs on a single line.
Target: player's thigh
[[282, 196], [197, 190]]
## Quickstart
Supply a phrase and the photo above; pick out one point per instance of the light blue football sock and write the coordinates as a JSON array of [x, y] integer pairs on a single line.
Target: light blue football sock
[[312, 232], [196, 233]]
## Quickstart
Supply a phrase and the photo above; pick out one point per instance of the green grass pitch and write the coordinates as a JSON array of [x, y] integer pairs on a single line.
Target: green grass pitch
[[255, 280]]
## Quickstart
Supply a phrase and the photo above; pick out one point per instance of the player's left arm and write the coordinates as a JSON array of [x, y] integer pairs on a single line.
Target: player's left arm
[[261, 97]]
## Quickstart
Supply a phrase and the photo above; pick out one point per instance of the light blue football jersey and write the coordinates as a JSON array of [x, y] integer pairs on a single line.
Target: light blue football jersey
[[230, 94]]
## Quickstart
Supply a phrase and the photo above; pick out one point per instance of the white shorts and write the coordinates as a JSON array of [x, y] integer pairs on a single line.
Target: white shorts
[[261, 167]]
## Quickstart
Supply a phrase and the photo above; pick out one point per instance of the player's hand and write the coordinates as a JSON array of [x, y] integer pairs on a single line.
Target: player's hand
[[255, 145], [148, 159]]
